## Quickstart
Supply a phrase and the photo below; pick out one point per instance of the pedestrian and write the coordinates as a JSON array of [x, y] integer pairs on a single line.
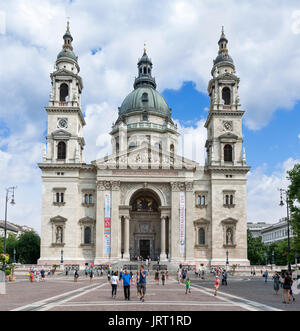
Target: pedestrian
[[266, 275], [167, 274], [187, 286], [43, 274], [217, 285], [142, 282], [184, 273], [286, 288], [91, 275], [291, 290], [86, 271], [276, 285], [156, 276], [163, 277], [114, 285], [76, 276], [224, 278], [126, 282], [178, 276]]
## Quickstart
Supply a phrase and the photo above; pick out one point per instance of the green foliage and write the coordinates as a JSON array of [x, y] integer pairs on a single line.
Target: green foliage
[[28, 247], [294, 203], [256, 250]]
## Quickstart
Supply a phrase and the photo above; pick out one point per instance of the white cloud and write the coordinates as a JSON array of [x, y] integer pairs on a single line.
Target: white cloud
[[182, 40], [263, 196]]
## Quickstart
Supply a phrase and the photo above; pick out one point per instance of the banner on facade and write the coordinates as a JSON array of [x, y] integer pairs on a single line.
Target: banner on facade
[[107, 224], [182, 223]]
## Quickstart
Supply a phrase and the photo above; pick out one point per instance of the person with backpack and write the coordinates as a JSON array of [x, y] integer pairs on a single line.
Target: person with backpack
[[187, 286], [76, 276]]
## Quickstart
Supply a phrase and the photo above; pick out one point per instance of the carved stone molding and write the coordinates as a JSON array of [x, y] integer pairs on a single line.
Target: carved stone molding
[[115, 185], [189, 186], [104, 186]]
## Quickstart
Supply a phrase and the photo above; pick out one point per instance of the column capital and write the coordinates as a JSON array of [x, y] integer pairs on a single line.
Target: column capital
[[177, 186], [103, 186], [115, 185], [189, 186]]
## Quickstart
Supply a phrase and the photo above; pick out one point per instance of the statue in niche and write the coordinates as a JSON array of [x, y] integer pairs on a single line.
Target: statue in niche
[[229, 237], [59, 235]]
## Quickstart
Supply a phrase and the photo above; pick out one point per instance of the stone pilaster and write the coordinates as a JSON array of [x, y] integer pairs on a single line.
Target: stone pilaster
[[189, 218], [115, 221], [163, 255], [100, 222], [126, 239]]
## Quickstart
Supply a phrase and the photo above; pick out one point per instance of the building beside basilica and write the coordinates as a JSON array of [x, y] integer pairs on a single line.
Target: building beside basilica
[[144, 199]]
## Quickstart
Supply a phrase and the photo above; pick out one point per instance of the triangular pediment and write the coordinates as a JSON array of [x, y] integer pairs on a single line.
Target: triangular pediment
[[142, 157]]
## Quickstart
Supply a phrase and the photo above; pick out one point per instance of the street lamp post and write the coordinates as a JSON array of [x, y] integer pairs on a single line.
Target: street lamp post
[[61, 257], [10, 195], [227, 260], [14, 260], [286, 194]]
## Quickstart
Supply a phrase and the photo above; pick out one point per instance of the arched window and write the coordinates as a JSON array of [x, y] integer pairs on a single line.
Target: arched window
[[203, 200], [228, 153], [87, 235], [199, 200], [201, 238], [231, 199], [91, 199], [64, 92], [86, 198], [226, 95], [57, 197], [145, 70], [132, 145], [61, 150]]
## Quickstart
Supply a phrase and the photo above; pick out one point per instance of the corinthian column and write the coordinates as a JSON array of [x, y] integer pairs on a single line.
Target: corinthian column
[[163, 255]]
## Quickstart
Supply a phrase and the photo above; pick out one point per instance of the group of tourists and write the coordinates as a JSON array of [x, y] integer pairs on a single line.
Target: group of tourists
[[36, 275], [126, 279], [284, 281], [163, 275]]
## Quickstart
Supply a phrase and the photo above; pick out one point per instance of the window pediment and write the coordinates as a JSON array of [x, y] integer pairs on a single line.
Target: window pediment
[[58, 219], [87, 220], [229, 221], [201, 221], [61, 134], [228, 135]]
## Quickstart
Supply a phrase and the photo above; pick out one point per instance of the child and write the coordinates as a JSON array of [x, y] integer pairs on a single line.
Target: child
[[217, 285], [187, 286]]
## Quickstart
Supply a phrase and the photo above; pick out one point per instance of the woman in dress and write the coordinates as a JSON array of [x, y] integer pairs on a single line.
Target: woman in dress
[[276, 279]]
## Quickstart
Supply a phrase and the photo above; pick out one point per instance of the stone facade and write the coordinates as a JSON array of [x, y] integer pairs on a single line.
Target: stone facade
[[144, 199]]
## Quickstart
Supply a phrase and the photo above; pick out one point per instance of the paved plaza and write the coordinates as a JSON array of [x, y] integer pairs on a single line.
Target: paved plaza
[[61, 293]]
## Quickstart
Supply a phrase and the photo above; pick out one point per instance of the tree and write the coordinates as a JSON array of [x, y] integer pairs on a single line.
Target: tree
[[294, 203], [28, 247], [256, 250]]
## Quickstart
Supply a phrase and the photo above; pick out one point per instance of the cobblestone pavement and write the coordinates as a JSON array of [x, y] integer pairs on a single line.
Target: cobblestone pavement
[[62, 294], [251, 289]]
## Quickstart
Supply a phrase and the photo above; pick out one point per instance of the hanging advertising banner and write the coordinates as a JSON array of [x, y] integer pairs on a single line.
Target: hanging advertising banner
[[182, 223], [107, 224]]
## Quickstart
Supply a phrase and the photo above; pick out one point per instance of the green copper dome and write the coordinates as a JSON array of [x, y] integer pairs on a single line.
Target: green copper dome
[[145, 98], [66, 52]]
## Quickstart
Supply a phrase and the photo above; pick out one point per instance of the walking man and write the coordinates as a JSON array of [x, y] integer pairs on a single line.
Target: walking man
[[126, 282], [143, 282]]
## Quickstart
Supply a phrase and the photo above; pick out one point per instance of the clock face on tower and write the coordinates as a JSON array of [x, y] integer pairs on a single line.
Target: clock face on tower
[[62, 123]]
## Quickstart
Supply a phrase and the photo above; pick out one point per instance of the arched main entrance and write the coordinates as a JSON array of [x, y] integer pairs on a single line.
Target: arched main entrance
[[144, 232]]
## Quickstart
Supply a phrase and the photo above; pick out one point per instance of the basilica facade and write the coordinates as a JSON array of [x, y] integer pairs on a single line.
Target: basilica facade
[[144, 199]]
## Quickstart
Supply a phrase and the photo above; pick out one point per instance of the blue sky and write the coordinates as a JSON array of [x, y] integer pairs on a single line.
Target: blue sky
[[182, 37], [271, 144]]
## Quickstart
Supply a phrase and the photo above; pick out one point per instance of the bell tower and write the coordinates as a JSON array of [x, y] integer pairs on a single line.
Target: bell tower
[[224, 145], [65, 142]]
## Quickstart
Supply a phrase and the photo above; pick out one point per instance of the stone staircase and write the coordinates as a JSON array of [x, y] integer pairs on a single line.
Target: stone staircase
[[134, 266]]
